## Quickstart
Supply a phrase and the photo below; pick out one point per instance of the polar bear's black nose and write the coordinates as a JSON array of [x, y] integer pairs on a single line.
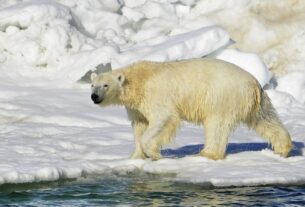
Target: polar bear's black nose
[[95, 98]]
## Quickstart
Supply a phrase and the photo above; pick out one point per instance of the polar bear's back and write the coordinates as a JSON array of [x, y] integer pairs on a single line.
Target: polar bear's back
[[197, 87], [189, 76], [193, 69]]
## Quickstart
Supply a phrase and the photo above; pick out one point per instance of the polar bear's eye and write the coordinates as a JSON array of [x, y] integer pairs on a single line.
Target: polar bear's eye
[[105, 85], [92, 85]]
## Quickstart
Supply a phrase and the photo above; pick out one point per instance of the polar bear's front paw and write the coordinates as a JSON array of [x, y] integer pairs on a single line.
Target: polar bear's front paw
[[151, 149], [153, 154]]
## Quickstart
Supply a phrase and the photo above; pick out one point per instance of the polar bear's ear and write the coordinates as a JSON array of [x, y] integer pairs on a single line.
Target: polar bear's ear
[[93, 75], [121, 78]]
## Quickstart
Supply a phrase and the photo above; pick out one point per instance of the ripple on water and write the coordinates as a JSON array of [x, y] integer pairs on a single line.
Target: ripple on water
[[146, 191]]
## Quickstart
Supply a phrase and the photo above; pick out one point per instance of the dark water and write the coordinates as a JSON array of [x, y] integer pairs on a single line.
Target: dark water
[[146, 191]]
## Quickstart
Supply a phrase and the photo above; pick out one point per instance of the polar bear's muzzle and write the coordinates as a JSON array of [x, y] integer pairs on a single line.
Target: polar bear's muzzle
[[96, 98], [97, 94]]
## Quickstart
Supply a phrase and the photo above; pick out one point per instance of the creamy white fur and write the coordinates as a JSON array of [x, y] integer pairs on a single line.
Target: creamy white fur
[[208, 92]]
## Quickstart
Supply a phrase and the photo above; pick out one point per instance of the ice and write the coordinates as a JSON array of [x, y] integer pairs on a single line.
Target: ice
[[53, 41], [132, 14], [51, 130], [197, 43]]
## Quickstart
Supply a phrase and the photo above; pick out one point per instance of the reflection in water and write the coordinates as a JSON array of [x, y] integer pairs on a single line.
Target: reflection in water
[[146, 191]]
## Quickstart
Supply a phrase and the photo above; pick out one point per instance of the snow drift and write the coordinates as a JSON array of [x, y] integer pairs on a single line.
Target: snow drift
[[50, 37]]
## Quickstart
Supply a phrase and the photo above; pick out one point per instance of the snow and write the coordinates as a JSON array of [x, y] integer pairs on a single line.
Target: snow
[[249, 61], [51, 130], [294, 84]]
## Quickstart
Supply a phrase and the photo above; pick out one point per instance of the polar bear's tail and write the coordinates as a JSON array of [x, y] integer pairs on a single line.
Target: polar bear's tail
[[267, 124]]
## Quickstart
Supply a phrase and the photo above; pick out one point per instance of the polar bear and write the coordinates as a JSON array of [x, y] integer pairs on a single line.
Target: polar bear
[[208, 92]]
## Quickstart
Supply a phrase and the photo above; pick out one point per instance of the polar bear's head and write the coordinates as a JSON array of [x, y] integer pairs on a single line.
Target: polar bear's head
[[106, 87]]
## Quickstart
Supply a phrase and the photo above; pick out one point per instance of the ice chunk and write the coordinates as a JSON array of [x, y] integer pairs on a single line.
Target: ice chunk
[[194, 44]]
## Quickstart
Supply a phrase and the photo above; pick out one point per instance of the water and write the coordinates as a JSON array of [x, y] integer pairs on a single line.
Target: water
[[145, 191]]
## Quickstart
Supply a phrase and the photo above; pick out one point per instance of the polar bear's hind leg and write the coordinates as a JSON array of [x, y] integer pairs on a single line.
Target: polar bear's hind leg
[[267, 124]]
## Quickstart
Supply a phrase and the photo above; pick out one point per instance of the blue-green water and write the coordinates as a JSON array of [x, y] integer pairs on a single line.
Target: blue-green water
[[148, 191]]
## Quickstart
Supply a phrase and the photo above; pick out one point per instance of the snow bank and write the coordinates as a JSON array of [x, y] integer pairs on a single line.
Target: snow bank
[[194, 44], [37, 36], [197, 43], [263, 27], [61, 42], [271, 29], [248, 61], [294, 84]]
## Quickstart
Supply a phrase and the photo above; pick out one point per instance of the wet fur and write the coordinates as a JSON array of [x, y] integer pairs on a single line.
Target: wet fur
[[208, 92]]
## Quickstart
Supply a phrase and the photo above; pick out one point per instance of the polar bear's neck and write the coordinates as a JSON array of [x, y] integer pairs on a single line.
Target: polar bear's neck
[[133, 90]]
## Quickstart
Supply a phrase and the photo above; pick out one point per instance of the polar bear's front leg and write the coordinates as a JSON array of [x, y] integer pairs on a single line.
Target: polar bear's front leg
[[139, 128], [150, 147], [158, 133], [139, 125]]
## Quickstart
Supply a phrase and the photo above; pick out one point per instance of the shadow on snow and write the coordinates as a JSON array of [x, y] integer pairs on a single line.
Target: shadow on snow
[[232, 148]]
